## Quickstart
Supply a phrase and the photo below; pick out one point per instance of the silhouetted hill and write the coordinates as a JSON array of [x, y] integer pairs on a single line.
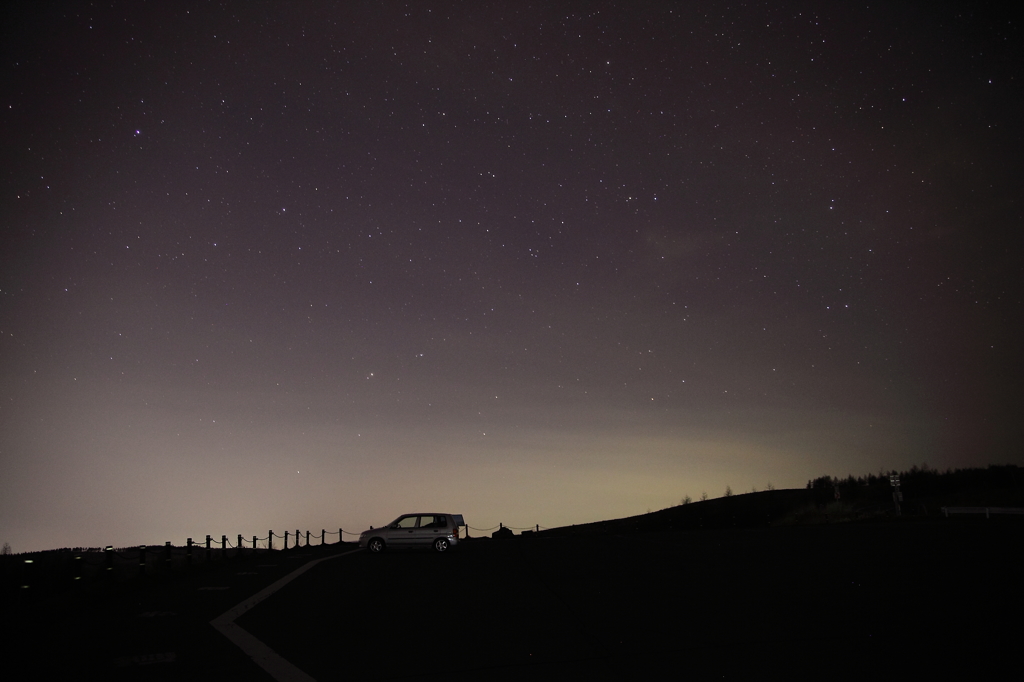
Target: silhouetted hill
[[831, 500], [750, 510]]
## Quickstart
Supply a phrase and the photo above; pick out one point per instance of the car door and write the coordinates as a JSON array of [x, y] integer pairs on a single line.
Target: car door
[[431, 527], [401, 532]]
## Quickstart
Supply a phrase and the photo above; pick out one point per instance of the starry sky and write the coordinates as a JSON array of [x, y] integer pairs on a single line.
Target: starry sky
[[307, 265]]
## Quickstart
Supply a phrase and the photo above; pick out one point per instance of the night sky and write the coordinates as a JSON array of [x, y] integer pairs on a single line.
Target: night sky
[[296, 265]]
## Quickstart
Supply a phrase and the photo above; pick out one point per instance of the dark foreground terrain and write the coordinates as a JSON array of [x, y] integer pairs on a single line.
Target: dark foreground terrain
[[881, 598]]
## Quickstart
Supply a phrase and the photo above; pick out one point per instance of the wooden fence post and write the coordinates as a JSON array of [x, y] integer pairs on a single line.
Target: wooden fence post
[[297, 538], [270, 539], [286, 539], [307, 538], [323, 535], [341, 535], [207, 548], [223, 546], [239, 544], [253, 544]]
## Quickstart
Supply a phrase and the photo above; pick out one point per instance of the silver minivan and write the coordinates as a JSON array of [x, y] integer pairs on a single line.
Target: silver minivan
[[437, 531]]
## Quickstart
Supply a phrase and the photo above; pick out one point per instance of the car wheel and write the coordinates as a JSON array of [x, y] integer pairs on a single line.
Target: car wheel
[[376, 546], [441, 545]]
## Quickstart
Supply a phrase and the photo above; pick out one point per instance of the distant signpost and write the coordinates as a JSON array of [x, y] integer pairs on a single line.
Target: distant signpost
[[897, 496]]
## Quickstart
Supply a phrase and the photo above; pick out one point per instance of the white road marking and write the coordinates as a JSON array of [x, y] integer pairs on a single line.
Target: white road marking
[[265, 657]]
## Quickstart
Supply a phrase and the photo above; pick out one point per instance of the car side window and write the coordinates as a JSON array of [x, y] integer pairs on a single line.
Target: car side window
[[433, 522], [407, 522]]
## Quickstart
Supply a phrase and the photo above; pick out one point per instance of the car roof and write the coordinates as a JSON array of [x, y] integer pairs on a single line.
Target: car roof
[[429, 514], [456, 518]]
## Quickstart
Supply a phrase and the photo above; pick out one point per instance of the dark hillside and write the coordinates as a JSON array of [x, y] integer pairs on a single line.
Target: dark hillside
[[832, 500], [750, 510]]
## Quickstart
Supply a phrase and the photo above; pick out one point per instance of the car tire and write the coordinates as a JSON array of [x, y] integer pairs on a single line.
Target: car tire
[[375, 545], [441, 545]]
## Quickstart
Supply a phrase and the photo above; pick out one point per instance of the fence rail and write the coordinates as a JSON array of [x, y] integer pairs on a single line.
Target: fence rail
[[987, 511]]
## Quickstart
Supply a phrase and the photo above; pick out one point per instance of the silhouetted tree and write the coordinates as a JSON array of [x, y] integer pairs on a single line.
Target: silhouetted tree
[[926, 482], [820, 482]]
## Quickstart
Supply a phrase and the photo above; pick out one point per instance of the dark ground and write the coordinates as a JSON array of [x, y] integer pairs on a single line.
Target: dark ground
[[880, 598]]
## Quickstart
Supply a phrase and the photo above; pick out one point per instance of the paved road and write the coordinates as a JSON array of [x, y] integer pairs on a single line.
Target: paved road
[[828, 601], [153, 629]]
